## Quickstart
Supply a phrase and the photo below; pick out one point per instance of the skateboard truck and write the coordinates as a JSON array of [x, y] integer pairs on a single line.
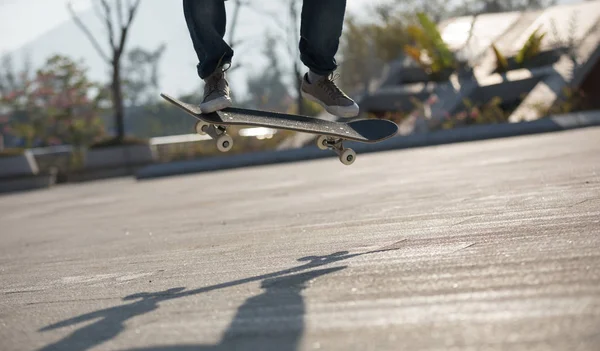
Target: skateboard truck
[[218, 133], [347, 156], [225, 142]]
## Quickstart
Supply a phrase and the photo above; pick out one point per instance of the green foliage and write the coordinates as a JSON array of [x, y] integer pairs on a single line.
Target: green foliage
[[442, 56], [571, 100], [428, 48], [367, 47], [489, 113], [140, 75], [531, 48], [58, 105], [501, 62], [417, 50]]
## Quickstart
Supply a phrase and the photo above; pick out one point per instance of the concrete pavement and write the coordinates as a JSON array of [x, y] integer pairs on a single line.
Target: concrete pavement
[[488, 245]]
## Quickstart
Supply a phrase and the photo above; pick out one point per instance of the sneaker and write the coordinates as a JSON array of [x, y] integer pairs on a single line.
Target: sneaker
[[216, 93], [326, 93]]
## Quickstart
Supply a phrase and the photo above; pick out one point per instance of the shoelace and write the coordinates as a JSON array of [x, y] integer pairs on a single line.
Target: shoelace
[[213, 81], [330, 87]]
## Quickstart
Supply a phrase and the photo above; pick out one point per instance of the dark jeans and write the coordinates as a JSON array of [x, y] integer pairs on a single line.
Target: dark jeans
[[320, 31]]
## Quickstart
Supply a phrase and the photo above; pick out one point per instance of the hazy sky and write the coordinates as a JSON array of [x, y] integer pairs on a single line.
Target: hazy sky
[[23, 20]]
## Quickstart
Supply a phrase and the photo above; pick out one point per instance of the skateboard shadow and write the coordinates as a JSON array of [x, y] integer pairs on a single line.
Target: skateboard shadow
[[280, 302]]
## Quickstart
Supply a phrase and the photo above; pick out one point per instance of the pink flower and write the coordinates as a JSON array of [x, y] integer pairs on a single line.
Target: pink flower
[[432, 99]]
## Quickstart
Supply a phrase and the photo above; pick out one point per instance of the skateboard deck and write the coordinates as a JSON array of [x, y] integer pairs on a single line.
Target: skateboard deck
[[331, 133]]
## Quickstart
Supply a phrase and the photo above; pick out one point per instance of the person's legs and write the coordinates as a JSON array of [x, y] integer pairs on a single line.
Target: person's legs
[[206, 22], [320, 32]]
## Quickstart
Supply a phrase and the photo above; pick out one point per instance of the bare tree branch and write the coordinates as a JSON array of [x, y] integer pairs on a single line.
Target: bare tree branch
[[108, 23], [125, 28], [87, 33], [120, 12], [132, 10], [117, 27]]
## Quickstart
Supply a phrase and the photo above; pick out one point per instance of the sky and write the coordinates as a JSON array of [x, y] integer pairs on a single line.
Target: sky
[[39, 28], [42, 15]]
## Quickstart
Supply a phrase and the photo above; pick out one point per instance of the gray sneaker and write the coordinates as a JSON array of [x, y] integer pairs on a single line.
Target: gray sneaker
[[216, 92], [327, 94]]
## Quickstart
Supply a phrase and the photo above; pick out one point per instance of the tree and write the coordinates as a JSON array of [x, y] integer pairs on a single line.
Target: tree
[[266, 89], [141, 78], [68, 102], [59, 105], [118, 17], [14, 121], [366, 47]]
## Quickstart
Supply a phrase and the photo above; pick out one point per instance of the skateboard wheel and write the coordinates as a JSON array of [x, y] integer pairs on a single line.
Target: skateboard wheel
[[348, 156], [322, 142], [201, 127], [224, 143]]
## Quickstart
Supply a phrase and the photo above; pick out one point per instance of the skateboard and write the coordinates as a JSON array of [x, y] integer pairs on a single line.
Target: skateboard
[[331, 135]]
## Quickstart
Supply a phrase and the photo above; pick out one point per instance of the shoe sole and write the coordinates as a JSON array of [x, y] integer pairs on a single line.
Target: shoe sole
[[215, 105], [339, 111]]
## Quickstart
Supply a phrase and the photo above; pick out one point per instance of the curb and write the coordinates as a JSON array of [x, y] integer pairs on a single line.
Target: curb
[[464, 134]]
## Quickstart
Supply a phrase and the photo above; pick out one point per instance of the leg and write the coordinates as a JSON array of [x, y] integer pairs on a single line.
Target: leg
[[320, 32], [206, 21]]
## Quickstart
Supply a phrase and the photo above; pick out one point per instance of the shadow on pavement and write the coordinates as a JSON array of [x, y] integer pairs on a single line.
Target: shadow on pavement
[[281, 301], [273, 320]]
